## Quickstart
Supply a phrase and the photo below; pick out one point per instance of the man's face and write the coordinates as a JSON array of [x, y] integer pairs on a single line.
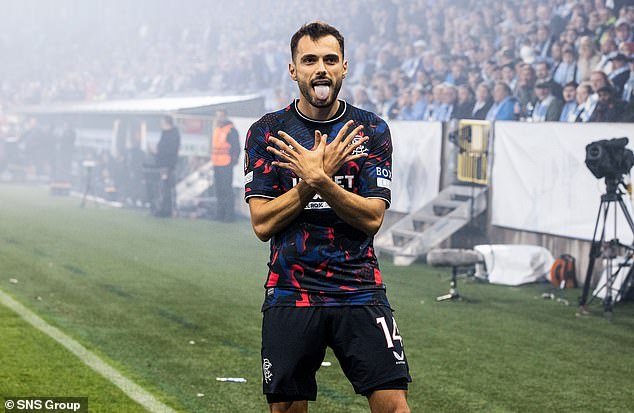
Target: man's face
[[541, 71], [582, 94], [319, 69], [542, 93], [498, 93], [597, 82], [569, 93]]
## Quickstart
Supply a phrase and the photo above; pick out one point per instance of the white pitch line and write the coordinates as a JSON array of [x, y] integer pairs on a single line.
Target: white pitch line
[[133, 390]]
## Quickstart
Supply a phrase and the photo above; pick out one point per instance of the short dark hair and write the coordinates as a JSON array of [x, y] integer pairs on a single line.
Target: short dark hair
[[168, 119], [315, 30]]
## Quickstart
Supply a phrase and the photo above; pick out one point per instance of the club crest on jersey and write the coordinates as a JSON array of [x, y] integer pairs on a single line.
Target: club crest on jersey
[[361, 149]]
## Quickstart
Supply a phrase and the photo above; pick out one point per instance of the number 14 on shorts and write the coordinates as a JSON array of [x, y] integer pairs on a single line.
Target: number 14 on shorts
[[390, 338]]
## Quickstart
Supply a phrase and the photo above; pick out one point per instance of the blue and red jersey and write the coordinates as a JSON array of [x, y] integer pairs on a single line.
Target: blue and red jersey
[[319, 259]]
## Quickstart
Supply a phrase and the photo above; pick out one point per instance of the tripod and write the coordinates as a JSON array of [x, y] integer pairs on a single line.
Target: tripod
[[608, 249]]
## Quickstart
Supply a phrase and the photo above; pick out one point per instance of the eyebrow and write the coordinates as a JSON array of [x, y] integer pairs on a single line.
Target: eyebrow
[[327, 56]]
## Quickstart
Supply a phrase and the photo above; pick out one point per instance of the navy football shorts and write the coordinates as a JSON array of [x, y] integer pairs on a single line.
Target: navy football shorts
[[364, 339]]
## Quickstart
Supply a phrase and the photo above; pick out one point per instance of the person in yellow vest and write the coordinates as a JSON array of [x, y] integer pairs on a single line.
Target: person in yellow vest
[[225, 150]]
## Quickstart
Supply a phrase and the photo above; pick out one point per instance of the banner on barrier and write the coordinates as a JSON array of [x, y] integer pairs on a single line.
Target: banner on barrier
[[540, 182]]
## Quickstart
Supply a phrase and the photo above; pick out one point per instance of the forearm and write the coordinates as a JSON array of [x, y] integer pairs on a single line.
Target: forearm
[[364, 214], [270, 216]]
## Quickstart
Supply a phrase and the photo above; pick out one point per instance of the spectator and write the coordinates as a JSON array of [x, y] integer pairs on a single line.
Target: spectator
[[548, 107], [608, 48], [483, 102], [588, 59], [542, 75], [609, 108], [566, 71], [419, 103], [465, 103], [585, 105], [623, 32], [570, 103], [620, 72], [362, 100], [524, 90], [628, 87], [505, 106], [508, 75]]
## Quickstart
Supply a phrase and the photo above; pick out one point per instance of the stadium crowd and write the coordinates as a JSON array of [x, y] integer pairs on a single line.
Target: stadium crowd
[[560, 60]]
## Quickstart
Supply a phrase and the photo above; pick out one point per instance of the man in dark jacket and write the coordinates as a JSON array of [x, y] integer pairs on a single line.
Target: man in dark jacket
[[160, 177]]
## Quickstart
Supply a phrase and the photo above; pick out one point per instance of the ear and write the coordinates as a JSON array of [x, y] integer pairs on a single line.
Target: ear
[[345, 68], [292, 71]]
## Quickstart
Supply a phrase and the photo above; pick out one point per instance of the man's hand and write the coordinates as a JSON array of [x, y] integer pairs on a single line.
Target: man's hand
[[306, 164], [340, 150], [311, 165]]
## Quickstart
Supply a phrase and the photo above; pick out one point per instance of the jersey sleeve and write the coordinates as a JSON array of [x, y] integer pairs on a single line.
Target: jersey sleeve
[[376, 173], [260, 176]]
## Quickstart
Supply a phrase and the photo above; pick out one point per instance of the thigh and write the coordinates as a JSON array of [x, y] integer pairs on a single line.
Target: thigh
[[369, 348], [293, 347]]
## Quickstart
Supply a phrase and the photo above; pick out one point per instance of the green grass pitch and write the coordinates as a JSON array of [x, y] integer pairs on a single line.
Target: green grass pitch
[[173, 304]]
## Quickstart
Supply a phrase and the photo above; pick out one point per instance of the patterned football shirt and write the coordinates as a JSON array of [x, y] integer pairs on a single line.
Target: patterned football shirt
[[319, 259]]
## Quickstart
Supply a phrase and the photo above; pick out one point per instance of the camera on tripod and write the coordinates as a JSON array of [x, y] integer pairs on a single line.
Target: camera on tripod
[[609, 158]]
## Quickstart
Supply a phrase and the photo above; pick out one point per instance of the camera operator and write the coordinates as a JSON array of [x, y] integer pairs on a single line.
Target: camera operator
[[609, 107]]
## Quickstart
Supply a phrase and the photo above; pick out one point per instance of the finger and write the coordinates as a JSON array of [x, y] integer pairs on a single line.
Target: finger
[[322, 142], [317, 139], [352, 146], [343, 130], [289, 140], [355, 157], [352, 134], [280, 144], [284, 165], [280, 154]]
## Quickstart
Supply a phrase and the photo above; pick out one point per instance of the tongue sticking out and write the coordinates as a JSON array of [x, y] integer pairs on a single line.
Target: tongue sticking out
[[322, 91]]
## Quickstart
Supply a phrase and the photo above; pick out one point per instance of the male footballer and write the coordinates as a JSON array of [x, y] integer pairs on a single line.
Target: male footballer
[[317, 180]]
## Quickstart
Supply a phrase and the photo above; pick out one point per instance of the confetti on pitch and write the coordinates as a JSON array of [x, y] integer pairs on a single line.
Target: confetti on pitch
[[192, 342], [326, 363], [200, 395], [232, 379], [13, 280]]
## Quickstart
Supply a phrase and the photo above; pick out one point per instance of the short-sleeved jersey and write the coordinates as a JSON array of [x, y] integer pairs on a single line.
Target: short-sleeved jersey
[[319, 259]]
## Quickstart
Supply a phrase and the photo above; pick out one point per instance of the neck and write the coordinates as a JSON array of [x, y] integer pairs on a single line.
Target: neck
[[316, 113]]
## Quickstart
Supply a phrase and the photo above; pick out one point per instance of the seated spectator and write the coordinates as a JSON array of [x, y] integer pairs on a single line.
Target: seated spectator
[[620, 72], [570, 103], [588, 59], [505, 106], [542, 75], [483, 102], [419, 103], [508, 75], [548, 107], [628, 87], [609, 107], [362, 100], [464, 104], [623, 32], [607, 47], [525, 90], [566, 71], [585, 105]]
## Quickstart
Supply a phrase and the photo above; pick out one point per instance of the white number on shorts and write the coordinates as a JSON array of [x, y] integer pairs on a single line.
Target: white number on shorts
[[390, 338]]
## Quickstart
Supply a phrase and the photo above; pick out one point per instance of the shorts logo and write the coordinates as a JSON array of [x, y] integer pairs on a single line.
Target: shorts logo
[[399, 357], [266, 369]]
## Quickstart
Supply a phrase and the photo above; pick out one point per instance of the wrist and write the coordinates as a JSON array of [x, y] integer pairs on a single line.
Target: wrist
[[317, 179]]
